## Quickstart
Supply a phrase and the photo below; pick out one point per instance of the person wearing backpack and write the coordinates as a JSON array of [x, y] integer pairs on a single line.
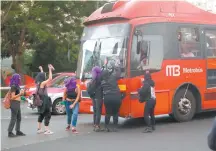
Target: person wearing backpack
[[71, 97], [45, 108], [15, 98], [212, 137], [147, 94], [111, 93], [95, 92]]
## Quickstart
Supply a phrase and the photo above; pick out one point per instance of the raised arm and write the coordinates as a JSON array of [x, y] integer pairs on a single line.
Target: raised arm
[[50, 76]]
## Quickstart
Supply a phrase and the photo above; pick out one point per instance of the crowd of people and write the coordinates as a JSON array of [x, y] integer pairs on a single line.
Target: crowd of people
[[102, 89]]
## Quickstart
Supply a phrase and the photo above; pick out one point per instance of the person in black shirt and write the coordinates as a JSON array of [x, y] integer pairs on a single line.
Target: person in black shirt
[[16, 93], [111, 93], [45, 109]]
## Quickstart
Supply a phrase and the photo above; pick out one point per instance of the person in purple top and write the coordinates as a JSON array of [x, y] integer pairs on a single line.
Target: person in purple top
[[71, 98], [16, 93], [212, 137], [95, 91]]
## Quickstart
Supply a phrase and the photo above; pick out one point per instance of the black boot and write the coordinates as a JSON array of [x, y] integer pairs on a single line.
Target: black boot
[[11, 134], [19, 133]]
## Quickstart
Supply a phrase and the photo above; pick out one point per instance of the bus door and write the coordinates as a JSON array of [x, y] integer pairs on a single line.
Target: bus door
[[210, 47]]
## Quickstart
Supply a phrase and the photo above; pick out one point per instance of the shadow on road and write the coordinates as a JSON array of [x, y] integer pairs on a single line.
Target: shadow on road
[[139, 122]]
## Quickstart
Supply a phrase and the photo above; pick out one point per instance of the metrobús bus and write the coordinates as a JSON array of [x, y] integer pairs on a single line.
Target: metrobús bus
[[175, 41]]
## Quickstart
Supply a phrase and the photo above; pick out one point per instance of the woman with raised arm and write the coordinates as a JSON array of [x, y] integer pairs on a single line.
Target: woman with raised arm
[[71, 97], [16, 93], [111, 93], [45, 108]]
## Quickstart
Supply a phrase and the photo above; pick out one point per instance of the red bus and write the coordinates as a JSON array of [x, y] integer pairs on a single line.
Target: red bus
[[175, 41]]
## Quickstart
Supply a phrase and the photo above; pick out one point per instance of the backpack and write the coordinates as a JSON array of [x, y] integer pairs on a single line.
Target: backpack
[[37, 102], [144, 93], [6, 101], [91, 87]]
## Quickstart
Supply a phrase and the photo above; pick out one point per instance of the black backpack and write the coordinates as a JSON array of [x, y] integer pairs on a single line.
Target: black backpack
[[91, 87], [144, 93], [37, 101]]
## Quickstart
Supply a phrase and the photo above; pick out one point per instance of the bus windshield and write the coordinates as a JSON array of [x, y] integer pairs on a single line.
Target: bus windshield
[[99, 44]]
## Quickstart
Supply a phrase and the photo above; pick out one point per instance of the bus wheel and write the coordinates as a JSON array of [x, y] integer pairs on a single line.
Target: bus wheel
[[184, 108]]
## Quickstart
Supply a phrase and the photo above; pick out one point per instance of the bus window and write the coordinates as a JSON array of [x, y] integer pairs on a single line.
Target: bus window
[[211, 43], [146, 53], [189, 45]]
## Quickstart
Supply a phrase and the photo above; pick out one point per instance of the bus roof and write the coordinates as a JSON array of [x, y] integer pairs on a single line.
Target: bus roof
[[127, 10]]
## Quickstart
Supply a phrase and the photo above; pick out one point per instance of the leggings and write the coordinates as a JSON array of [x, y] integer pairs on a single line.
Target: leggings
[[45, 115], [112, 104]]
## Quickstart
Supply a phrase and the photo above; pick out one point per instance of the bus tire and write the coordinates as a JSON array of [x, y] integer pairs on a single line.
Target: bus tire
[[184, 109]]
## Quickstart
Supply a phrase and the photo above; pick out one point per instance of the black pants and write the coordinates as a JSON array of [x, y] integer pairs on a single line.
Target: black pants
[[97, 107], [112, 104], [15, 116], [149, 111], [45, 115]]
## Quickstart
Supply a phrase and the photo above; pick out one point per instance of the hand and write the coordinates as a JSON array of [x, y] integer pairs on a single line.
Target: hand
[[72, 106], [22, 92], [51, 67]]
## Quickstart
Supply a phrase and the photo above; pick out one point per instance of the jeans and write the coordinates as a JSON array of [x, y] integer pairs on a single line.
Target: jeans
[[15, 116], [149, 111], [72, 114], [97, 107]]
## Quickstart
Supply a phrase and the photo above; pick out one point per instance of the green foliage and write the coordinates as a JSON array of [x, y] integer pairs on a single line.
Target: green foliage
[[48, 27]]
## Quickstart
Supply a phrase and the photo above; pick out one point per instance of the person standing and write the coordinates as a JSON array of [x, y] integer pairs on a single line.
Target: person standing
[[71, 97], [149, 84], [95, 92], [111, 94], [212, 137], [16, 94], [45, 108]]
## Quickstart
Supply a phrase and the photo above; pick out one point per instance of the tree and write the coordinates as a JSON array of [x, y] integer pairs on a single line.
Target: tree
[[33, 24]]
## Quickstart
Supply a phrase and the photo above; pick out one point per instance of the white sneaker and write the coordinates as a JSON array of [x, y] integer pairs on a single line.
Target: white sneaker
[[48, 132], [39, 131]]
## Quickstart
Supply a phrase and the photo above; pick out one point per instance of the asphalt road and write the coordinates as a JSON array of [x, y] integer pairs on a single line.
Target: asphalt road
[[169, 135]]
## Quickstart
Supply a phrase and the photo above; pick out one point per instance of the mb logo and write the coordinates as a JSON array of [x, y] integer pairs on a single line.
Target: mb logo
[[173, 70]]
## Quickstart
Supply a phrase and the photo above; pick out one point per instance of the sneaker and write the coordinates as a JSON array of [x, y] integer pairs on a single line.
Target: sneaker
[[67, 128], [39, 131], [148, 130], [107, 130], [97, 129], [74, 131], [153, 128], [48, 132], [19, 133], [11, 134]]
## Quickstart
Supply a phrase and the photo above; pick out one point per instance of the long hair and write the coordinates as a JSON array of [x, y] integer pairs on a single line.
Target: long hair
[[96, 72], [70, 84], [15, 80]]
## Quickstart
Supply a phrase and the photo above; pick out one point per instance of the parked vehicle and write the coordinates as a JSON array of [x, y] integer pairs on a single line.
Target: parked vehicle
[[55, 92]]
